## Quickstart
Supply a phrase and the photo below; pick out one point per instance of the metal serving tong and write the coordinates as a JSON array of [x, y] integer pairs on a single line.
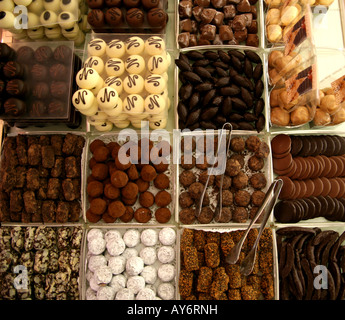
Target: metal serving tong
[[267, 205], [219, 202]]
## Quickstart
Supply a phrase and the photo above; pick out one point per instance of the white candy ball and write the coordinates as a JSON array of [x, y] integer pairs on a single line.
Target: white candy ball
[[116, 110], [115, 49], [105, 126], [114, 82], [133, 104], [155, 84], [157, 64], [154, 104], [135, 64], [107, 98], [114, 67], [96, 47], [133, 84], [154, 45], [83, 99], [134, 45], [87, 78], [95, 62]]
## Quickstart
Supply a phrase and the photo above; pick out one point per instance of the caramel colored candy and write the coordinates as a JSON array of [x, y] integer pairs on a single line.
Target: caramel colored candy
[[280, 117], [274, 33], [321, 118], [300, 115]]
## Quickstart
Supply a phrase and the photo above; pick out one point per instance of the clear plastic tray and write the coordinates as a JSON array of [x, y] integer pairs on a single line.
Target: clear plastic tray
[[121, 139]]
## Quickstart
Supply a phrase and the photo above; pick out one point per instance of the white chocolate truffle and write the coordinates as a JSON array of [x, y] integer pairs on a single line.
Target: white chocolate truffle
[[166, 291], [114, 67], [93, 284], [146, 294], [53, 5], [99, 117], [99, 86], [149, 274], [115, 110], [36, 33], [124, 294], [106, 293], [96, 47], [166, 254], [96, 261], [135, 283], [134, 45], [110, 234], [107, 98], [154, 45], [95, 62], [90, 294], [87, 78], [36, 6], [53, 33], [157, 64], [154, 104], [66, 19], [167, 236], [158, 123], [103, 275], [83, 99], [135, 64], [116, 246], [118, 282], [133, 104], [130, 252], [6, 20], [71, 33], [133, 84], [105, 126], [69, 5], [96, 245], [117, 264], [121, 124], [115, 49], [131, 238], [166, 272], [149, 237], [134, 266], [90, 111], [7, 5], [48, 18], [149, 255], [114, 82], [155, 84], [33, 20]]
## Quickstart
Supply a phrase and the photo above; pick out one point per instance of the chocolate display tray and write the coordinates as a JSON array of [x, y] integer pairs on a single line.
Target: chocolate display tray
[[260, 33], [124, 27], [63, 115], [267, 170], [122, 229], [119, 137], [201, 49]]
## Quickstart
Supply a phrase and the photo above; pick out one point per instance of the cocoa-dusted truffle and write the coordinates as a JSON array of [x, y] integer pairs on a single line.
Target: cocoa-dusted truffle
[[195, 190], [100, 171], [161, 166], [111, 192], [116, 209], [186, 178], [227, 198], [257, 198], [188, 161], [203, 176], [258, 180], [146, 199], [101, 153], [233, 167], [95, 189], [128, 215], [148, 173], [263, 150], [242, 198], [240, 215], [163, 215], [223, 216], [227, 181], [119, 179], [98, 206], [255, 163], [185, 200], [130, 190], [133, 173], [96, 143], [206, 215], [162, 181], [187, 216], [240, 181], [142, 185], [142, 215], [252, 143], [91, 217], [163, 198]]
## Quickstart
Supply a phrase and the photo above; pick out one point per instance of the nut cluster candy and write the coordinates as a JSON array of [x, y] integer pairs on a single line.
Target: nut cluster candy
[[124, 83], [221, 86], [216, 22]]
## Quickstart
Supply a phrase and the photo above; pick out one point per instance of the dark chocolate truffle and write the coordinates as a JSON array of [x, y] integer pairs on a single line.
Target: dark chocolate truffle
[[58, 71], [95, 4], [56, 107], [41, 90], [114, 17], [13, 69], [14, 107], [16, 87], [135, 17], [58, 89], [6, 52], [25, 54], [39, 72], [38, 108], [131, 3], [43, 54], [150, 4], [96, 18], [157, 17], [63, 53]]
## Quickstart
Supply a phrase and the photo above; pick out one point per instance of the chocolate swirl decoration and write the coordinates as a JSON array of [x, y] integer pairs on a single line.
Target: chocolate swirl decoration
[[153, 102], [107, 95], [96, 44], [115, 43], [114, 64], [132, 62], [131, 102], [81, 97], [155, 62], [154, 80], [132, 80], [84, 74], [132, 43], [91, 62], [11, 68], [115, 80], [157, 42]]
